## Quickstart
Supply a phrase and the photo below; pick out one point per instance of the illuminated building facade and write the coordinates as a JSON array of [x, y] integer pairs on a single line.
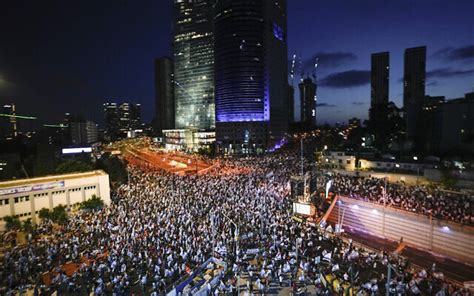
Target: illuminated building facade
[[8, 125], [251, 88], [120, 119], [193, 47], [83, 132]]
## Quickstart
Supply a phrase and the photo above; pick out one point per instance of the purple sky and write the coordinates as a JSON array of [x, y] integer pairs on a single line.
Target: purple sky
[[63, 56]]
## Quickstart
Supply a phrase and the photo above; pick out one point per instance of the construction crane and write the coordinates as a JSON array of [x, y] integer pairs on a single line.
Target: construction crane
[[292, 69], [316, 64]]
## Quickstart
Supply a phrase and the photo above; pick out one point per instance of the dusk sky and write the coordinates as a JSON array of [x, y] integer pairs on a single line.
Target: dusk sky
[[71, 56]]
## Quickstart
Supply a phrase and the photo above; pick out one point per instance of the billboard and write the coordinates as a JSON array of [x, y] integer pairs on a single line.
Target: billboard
[[29, 188], [303, 209], [77, 150]]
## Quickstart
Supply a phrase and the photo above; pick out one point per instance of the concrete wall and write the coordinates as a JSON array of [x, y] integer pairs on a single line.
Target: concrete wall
[[442, 237]]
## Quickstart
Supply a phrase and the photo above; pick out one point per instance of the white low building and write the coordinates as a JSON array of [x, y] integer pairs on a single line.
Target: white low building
[[26, 197]]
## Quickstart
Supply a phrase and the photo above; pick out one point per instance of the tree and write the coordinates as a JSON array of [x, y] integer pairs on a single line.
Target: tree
[[12, 223], [113, 166], [94, 203], [59, 214], [74, 165], [44, 214], [27, 225]]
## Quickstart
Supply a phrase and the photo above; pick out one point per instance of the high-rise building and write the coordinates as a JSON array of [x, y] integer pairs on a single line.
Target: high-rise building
[[291, 104], [112, 122], [83, 132], [414, 90], [308, 103], [193, 47], [164, 94], [250, 74], [379, 78], [8, 125], [379, 90], [121, 119], [129, 116]]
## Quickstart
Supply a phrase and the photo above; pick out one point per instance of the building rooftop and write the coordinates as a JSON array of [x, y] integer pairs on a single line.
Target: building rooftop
[[20, 182]]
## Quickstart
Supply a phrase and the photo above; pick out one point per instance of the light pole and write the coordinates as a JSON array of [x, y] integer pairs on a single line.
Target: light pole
[[415, 158]]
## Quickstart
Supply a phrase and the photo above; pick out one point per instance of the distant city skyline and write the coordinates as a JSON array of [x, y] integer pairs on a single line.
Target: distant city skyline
[[73, 57]]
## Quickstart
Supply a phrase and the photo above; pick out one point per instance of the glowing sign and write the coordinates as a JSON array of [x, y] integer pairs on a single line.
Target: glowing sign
[[29, 188], [77, 150]]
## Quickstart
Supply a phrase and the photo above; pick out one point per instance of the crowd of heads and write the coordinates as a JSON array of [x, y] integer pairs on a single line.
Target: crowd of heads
[[427, 200], [160, 226]]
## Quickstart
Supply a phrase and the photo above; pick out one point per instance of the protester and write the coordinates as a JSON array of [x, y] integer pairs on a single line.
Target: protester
[[161, 226]]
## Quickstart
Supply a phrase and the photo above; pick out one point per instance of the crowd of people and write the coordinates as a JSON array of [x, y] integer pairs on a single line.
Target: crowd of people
[[431, 201], [161, 226]]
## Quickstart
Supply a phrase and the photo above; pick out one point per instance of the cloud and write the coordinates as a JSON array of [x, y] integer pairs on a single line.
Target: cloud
[[448, 73], [325, 105], [455, 53], [358, 103], [347, 79], [432, 83], [329, 60]]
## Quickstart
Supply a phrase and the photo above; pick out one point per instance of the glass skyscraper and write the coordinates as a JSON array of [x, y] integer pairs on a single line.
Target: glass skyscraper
[[250, 74], [193, 47]]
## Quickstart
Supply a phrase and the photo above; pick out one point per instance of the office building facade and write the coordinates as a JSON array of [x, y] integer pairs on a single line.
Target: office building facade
[[121, 119], [379, 83], [251, 88], [83, 132], [164, 94], [414, 91], [24, 198], [308, 103], [193, 48], [8, 123]]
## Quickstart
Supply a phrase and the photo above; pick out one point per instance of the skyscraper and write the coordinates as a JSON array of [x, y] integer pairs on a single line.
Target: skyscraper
[[193, 48], [414, 89], [8, 126], [83, 132], [379, 89], [250, 74], [308, 103], [164, 94], [291, 104], [121, 119], [379, 78]]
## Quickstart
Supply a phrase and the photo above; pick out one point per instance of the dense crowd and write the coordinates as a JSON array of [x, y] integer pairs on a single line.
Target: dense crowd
[[431, 201], [161, 226]]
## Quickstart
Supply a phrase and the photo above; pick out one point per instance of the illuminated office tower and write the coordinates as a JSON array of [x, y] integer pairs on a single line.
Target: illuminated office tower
[[193, 48], [251, 87]]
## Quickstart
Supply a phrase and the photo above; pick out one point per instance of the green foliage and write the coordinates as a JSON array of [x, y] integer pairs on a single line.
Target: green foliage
[[113, 166], [27, 225], [12, 223], [94, 203], [448, 182], [74, 165], [44, 214], [57, 215]]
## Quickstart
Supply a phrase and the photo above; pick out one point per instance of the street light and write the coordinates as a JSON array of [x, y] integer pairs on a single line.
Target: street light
[[415, 158]]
